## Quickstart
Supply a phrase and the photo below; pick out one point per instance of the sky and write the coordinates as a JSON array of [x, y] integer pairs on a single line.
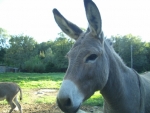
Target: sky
[[35, 18]]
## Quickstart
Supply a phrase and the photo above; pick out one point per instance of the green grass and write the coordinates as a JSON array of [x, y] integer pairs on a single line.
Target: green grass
[[34, 80], [29, 81], [46, 99], [95, 100]]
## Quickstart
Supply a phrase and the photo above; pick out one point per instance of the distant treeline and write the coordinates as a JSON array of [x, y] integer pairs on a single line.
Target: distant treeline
[[26, 54]]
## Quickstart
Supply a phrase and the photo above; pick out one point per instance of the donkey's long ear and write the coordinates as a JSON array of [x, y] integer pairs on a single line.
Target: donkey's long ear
[[93, 17], [66, 26]]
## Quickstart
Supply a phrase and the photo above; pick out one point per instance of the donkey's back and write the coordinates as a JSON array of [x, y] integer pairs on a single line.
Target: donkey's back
[[7, 87]]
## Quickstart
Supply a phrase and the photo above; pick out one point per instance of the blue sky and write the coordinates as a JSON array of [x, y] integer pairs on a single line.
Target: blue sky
[[35, 18]]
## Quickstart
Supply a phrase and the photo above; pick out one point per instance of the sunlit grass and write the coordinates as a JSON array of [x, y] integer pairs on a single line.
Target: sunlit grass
[[46, 99], [33, 81], [4, 102], [27, 99], [40, 84], [95, 100]]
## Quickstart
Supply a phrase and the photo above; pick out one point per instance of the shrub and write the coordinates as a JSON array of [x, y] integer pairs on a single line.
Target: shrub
[[34, 64]]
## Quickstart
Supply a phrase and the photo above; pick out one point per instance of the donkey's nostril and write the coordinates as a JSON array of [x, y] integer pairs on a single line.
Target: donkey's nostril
[[68, 102]]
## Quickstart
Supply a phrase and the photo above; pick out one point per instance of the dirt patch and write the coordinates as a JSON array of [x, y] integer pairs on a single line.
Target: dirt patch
[[43, 108], [33, 108], [43, 92], [46, 92], [46, 108]]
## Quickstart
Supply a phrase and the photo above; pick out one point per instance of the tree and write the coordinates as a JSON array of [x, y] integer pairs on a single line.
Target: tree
[[20, 50], [2, 54], [34, 64], [49, 61], [147, 45], [42, 54], [60, 48], [50, 56], [122, 45], [3, 44], [3, 38]]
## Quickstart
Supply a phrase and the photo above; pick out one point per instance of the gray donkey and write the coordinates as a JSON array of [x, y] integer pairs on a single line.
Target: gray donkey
[[9, 91], [94, 65]]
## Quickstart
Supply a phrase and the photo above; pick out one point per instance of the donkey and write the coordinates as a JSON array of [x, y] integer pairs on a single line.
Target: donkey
[[95, 66], [9, 91]]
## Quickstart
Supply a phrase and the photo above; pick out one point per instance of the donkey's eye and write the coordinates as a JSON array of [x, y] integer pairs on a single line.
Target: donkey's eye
[[92, 57]]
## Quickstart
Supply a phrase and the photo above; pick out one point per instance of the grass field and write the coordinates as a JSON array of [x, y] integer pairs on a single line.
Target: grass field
[[28, 81]]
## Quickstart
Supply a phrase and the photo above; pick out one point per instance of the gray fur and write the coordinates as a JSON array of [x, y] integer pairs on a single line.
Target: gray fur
[[94, 65], [9, 91]]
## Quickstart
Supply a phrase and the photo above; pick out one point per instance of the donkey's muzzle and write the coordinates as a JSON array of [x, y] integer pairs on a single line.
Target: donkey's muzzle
[[69, 97], [66, 106]]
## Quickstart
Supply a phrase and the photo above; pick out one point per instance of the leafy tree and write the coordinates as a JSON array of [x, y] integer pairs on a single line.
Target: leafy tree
[[3, 38], [2, 54], [123, 44], [147, 45], [3, 44], [20, 50], [34, 64], [42, 54], [60, 48], [49, 61], [48, 55], [52, 53]]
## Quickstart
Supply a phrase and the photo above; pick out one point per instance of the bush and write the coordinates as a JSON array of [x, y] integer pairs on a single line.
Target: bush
[[34, 64]]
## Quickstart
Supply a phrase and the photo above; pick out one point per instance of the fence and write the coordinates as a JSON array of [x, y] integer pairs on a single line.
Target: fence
[[4, 69]]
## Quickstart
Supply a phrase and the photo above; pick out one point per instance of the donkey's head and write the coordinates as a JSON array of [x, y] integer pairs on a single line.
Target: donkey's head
[[88, 64]]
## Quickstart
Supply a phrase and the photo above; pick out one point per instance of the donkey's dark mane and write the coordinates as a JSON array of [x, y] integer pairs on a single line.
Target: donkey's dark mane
[[113, 56]]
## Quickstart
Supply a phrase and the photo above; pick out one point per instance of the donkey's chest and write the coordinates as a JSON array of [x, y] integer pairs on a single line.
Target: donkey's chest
[[127, 105], [122, 110]]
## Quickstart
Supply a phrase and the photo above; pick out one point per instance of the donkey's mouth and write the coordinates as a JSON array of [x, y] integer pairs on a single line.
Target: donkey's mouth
[[67, 108], [77, 109], [73, 110]]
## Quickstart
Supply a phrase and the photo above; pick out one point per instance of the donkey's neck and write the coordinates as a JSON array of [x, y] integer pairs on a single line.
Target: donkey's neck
[[121, 81], [118, 72]]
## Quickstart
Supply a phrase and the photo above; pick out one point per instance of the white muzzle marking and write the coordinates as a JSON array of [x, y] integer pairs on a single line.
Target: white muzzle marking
[[69, 96]]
